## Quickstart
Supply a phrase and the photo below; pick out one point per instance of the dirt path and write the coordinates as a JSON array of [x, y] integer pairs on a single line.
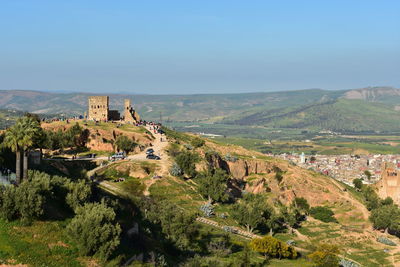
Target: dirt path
[[159, 144]]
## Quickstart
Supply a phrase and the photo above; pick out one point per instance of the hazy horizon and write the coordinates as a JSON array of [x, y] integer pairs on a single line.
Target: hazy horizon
[[180, 47], [171, 94]]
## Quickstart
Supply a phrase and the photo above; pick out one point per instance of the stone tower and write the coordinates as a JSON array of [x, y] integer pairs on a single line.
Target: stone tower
[[130, 114], [389, 185], [98, 108]]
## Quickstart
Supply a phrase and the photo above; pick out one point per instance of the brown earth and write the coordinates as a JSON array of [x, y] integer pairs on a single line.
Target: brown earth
[[257, 170], [102, 139]]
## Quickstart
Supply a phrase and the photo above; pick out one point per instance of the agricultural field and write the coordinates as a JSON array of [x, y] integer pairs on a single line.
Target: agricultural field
[[321, 145]]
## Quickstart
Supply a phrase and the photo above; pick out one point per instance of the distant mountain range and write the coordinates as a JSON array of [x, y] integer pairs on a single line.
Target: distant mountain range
[[356, 110]]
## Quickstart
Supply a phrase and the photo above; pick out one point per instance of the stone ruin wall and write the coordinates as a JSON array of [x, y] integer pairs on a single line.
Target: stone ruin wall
[[98, 108], [130, 115]]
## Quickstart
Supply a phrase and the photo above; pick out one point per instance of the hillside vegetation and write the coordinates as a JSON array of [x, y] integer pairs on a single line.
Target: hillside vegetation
[[201, 204], [342, 115]]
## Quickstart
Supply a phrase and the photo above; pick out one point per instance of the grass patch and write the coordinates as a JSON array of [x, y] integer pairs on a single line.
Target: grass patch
[[40, 244]]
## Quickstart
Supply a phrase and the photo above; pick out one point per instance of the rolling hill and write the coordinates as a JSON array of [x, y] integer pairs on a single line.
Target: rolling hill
[[360, 110], [341, 115]]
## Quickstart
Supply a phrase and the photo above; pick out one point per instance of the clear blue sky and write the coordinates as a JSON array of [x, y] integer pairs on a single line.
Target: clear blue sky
[[186, 46]]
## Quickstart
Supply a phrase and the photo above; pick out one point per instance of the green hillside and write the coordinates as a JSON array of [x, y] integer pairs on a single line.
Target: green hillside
[[173, 107], [341, 115], [8, 117], [360, 110]]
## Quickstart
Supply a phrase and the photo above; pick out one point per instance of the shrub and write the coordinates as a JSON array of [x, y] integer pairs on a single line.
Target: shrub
[[272, 247], [220, 247], [188, 146], [95, 230], [8, 210], [229, 157], [25, 202], [346, 263], [325, 255], [207, 209], [175, 170], [371, 197], [302, 204], [29, 202], [197, 142], [358, 183], [278, 174], [79, 193], [173, 150], [125, 144], [322, 213], [385, 241]]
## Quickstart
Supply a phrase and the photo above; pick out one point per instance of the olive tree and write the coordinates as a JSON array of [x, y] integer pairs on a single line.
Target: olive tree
[[95, 230]]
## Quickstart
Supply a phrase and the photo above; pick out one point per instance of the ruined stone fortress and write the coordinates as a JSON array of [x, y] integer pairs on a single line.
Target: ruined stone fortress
[[98, 110]]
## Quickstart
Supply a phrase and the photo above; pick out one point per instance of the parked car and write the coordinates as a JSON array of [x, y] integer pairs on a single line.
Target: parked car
[[119, 155], [149, 151], [152, 156]]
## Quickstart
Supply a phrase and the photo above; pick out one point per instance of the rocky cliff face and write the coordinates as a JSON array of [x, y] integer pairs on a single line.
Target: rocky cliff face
[[259, 176], [241, 168], [372, 93]]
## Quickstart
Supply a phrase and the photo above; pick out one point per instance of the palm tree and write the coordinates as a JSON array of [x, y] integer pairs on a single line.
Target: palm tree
[[12, 140], [20, 138], [31, 130]]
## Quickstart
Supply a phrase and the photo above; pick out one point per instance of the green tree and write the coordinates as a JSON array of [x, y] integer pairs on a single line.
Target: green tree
[[178, 225], [95, 230], [29, 201], [8, 210], [358, 183], [79, 193], [125, 144], [274, 222], [302, 204], [186, 162], [252, 211], [387, 201], [368, 174], [213, 185], [20, 137], [272, 247], [323, 213], [325, 255], [32, 130], [278, 174], [386, 217], [371, 197], [290, 217]]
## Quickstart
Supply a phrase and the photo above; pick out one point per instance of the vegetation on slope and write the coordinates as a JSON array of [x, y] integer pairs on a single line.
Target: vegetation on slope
[[343, 115]]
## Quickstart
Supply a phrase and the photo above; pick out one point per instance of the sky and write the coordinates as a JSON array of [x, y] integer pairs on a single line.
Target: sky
[[191, 47]]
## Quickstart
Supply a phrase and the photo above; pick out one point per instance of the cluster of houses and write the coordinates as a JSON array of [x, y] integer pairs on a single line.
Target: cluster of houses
[[345, 168]]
